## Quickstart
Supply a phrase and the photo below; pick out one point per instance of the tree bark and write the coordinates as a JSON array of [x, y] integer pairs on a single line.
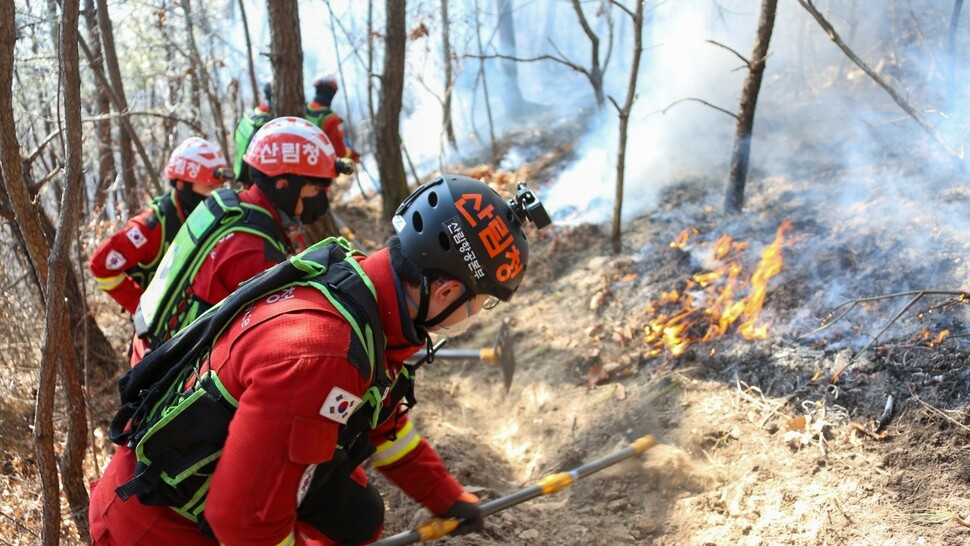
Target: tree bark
[[57, 347], [624, 114], [106, 159], [449, 78], [394, 185], [741, 154], [133, 199], [286, 54]]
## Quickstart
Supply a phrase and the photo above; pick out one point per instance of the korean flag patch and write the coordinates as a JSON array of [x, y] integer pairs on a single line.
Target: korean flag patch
[[136, 237], [339, 405]]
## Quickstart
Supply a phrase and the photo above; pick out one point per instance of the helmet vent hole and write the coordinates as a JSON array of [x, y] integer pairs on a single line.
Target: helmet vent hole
[[417, 222], [433, 199], [444, 242]]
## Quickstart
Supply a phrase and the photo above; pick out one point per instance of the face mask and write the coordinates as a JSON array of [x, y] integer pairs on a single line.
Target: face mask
[[460, 327], [314, 207]]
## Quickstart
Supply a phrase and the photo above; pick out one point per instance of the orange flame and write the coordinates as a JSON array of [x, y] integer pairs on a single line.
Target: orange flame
[[709, 303]]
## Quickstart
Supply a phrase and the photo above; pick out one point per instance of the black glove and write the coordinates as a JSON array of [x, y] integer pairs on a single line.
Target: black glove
[[467, 509], [345, 166]]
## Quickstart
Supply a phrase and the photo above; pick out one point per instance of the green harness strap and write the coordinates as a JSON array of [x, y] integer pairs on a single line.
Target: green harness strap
[[158, 410], [166, 306]]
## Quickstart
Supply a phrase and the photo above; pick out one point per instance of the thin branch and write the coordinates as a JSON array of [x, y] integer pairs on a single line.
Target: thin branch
[[529, 59], [744, 60], [834, 36], [622, 7], [702, 101]]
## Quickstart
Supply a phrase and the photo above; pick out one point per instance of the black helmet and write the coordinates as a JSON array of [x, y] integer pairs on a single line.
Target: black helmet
[[461, 226], [268, 89]]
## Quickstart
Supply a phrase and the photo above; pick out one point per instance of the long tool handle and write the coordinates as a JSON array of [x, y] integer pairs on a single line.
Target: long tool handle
[[488, 354], [438, 527]]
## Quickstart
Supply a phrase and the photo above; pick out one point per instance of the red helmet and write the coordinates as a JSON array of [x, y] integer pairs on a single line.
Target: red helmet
[[197, 161], [326, 79], [291, 145]]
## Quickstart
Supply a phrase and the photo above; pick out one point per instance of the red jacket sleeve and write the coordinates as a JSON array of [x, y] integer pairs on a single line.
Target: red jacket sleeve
[[333, 126], [409, 461], [133, 245]]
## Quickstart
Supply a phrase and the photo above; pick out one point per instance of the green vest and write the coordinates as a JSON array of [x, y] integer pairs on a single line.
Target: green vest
[[168, 305], [317, 117], [248, 125]]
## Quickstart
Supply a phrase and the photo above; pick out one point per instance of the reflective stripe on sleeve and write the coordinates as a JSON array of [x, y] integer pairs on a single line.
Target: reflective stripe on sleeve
[[392, 451], [109, 283]]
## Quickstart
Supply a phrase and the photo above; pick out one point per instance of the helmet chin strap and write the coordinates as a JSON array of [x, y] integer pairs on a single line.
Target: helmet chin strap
[[422, 318]]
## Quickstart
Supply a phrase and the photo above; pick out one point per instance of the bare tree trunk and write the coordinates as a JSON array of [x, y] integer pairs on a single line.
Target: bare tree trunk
[[249, 53], [215, 105], [481, 75], [624, 114], [370, 60], [390, 164], [595, 72], [506, 34], [106, 158], [133, 199], [57, 347], [286, 53], [741, 154], [449, 78]]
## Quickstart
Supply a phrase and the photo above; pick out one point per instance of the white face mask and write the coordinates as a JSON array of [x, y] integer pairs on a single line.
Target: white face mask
[[459, 327]]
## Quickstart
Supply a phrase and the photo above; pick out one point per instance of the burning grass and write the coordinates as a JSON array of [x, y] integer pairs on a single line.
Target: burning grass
[[715, 301]]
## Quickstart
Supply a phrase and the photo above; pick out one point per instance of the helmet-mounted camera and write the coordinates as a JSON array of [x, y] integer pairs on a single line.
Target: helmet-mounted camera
[[526, 206]]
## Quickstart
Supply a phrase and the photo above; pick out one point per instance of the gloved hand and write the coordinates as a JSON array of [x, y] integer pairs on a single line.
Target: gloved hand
[[345, 166], [466, 508]]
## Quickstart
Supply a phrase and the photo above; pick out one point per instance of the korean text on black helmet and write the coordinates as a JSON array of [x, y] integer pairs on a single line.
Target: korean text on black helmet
[[463, 227]]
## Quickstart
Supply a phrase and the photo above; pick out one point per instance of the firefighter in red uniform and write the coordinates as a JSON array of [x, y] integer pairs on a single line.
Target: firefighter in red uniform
[[282, 479], [292, 166], [125, 263], [319, 112]]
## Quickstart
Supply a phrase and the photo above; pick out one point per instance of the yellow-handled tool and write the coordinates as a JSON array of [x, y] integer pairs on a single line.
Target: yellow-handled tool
[[438, 527]]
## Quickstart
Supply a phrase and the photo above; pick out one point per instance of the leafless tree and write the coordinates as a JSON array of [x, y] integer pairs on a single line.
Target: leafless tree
[[506, 35], [449, 82], [482, 77], [51, 267], [598, 63], [132, 195], [741, 153], [206, 80], [624, 114], [249, 53], [106, 158], [956, 154], [394, 185]]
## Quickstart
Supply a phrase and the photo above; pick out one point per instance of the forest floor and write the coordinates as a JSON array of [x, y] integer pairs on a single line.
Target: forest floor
[[763, 441]]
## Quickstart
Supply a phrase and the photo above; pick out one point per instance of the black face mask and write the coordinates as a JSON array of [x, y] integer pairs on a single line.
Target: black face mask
[[314, 207], [188, 199]]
